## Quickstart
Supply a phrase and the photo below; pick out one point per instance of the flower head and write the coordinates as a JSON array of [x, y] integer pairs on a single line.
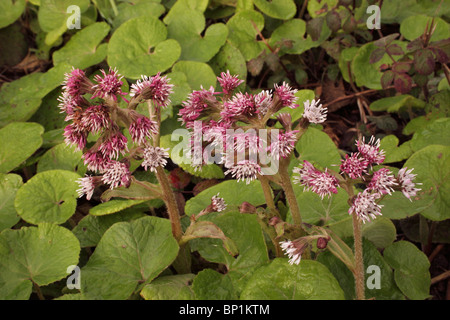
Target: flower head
[[322, 183], [197, 102], [365, 206], [218, 203], [156, 88], [229, 82], [108, 85], [141, 128], [314, 112], [382, 182], [245, 170], [371, 151], [117, 173], [263, 101], [76, 83], [284, 145], [286, 95], [354, 166], [75, 135], [113, 145], [96, 118], [405, 179], [95, 161], [241, 104], [154, 157], [87, 185], [294, 249]]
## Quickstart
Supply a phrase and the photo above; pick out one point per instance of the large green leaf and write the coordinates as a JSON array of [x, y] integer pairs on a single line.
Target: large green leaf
[[129, 254], [62, 157], [20, 99], [411, 269], [211, 285], [278, 9], [19, 140], [395, 153], [49, 196], [432, 166], [317, 147], [34, 254], [83, 49], [310, 280], [9, 184], [10, 11], [176, 287], [414, 26], [245, 231], [139, 46], [437, 132], [229, 58], [187, 30], [314, 210], [90, 229], [243, 29]]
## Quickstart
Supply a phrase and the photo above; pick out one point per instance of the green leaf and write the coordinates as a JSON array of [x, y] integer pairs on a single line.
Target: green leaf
[[231, 59], [315, 7], [10, 11], [234, 193], [432, 166], [314, 210], [139, 46], [211, 285], [53, 17], [90, 229], [242, 32], [388, 290], [245, 231], [411, 269], [397, 103], [176, 287], [278, 9], [289, 37], [137, 190], [34, 254], [381, 232], [20, 99], [9, 184], [317, 147], [128, 11], [414, 26], [83, 49], [280, 280], [113, 206], [198, 74], [129, 254], [62, 157], [49, 196], [395, 153], [187, 30], [19, 141], [437, 132]]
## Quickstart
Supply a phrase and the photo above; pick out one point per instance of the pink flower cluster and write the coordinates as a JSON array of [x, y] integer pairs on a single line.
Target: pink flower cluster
[[91, 108], [223, 110]]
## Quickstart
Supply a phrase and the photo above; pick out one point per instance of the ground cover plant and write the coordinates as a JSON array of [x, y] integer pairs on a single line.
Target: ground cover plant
[[224, 150]]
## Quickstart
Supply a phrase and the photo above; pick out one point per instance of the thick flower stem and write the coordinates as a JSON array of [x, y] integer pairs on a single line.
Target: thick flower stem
[[268, 193], [286, 184], [359, 263]]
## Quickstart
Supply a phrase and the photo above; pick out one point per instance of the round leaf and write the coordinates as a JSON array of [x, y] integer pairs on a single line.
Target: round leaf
[[19, 141], [139, 46], [34, 254], [49, 196], [129, 253], [9, 184], [280, 280], [278, 9]]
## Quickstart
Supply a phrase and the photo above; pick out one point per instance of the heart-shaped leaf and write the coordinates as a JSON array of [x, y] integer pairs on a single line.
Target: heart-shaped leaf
[[129, 254], [49, 196], [38, 255], [139, 46]]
